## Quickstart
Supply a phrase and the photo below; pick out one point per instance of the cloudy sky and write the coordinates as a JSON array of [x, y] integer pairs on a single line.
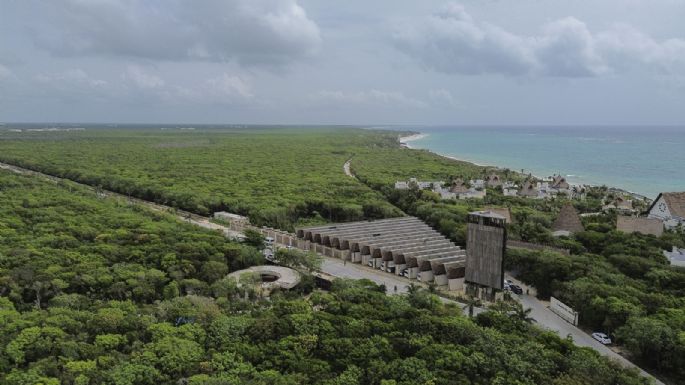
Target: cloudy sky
[[344, 62]]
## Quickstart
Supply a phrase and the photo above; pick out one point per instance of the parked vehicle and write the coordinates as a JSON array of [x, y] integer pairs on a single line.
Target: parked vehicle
[[405, 273], [516, 289], [387, 266], [268, 241], [602, 338]]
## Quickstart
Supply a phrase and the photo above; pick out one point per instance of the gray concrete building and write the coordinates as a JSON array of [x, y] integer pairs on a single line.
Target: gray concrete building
[[402, 246]]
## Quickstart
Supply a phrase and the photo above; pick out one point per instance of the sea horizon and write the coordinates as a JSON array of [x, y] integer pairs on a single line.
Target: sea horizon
[[645, 160]]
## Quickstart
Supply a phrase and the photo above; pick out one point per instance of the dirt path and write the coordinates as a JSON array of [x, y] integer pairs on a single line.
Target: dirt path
[[346, 169]]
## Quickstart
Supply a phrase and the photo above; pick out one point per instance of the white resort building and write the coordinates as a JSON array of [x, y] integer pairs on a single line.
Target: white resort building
[[457, 190], [669, 208]]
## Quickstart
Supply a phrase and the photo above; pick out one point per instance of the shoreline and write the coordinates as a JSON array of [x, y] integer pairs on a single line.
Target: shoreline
[[412, 137], [406, 139]]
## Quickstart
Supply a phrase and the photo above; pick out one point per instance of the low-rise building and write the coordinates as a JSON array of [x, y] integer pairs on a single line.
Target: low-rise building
[[640, 225], [620, 204], [415, 183], [477, 183], [669, 208], [676, 256], [510, 192]]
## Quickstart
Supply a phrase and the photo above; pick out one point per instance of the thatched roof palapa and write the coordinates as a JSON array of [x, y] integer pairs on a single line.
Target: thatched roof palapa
[[568, 220], [528, 189], [493, 180], [458, 187], [675, 202], [504, 212]]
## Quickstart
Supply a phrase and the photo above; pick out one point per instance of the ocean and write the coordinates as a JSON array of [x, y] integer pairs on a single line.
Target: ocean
[[644, 160]]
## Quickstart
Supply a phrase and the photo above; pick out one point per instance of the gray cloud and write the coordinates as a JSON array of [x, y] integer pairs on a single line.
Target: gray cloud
[[372, 98], [452, 41], [251, 32], [222, 89], [5, 72], [223, 61]]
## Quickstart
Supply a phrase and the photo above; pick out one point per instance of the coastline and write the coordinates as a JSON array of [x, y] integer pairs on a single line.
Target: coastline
[[407, 139], [412, 137]]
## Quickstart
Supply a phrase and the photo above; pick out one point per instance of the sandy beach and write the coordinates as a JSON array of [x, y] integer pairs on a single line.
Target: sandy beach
[[407, 139]]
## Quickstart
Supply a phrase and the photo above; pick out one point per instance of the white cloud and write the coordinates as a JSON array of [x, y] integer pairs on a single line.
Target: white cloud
[[70, 78], [452, 41], [225, 90], [229, 87], [371, 97], [252, 32], [443, 97], [5, 72], [142, 79]]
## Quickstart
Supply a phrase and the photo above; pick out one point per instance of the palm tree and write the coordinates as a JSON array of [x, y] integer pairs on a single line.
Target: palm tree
[[413, 288], [500, 307], [471, 303], [432, 288], [522, 314]]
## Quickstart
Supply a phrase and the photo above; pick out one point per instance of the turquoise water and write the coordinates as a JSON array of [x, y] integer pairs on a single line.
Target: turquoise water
[[645, 160]]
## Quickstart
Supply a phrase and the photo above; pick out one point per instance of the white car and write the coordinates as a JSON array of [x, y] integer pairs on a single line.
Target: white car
[[602, 338]]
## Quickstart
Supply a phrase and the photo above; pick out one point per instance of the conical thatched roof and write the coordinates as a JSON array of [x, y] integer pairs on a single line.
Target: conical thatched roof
[[458, 187], [493, 180], [503, 211], [528, 189], [568, 220]]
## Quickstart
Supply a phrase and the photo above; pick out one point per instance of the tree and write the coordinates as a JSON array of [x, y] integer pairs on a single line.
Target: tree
[[648, 338], [298, 259], [254, 238], [521, 314], [471, 303]]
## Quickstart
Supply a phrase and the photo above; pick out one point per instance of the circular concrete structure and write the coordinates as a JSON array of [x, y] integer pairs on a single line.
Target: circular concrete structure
[[272, 276]]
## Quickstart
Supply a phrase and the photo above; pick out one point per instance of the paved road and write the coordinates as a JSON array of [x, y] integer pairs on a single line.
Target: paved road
[[547, 319], [337, 268]]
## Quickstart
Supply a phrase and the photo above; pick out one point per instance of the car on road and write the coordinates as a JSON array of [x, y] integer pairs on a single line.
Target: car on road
[[602, 338], [516, 289]]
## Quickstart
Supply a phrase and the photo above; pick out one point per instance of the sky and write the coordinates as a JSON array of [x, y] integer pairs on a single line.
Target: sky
[[380, 62]]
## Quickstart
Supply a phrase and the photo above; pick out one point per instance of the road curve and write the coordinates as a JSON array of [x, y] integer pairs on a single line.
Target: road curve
[[346, 169]]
